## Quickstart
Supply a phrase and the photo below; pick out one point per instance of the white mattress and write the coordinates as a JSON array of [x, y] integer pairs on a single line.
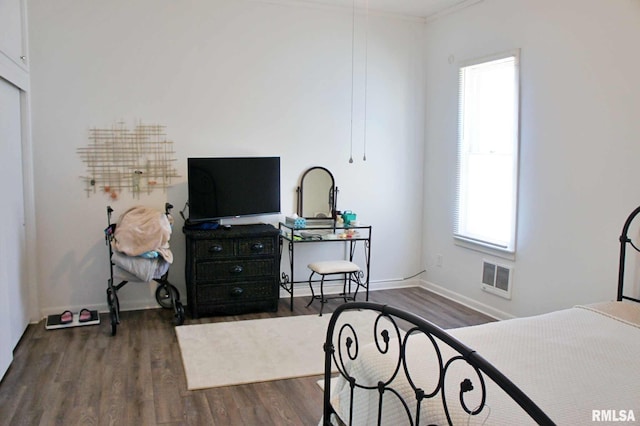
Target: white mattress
[[569, 362]]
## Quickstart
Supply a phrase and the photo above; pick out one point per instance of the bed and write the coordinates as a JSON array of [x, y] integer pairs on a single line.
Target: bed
[[575, 366]]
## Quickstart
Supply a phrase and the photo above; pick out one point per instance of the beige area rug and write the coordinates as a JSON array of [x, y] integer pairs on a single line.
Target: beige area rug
[[232, 353]]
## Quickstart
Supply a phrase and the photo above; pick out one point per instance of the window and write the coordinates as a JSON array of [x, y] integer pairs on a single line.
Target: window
[[487, 181]]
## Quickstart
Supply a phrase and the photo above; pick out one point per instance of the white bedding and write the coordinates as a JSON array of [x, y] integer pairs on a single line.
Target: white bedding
[[569, 362]]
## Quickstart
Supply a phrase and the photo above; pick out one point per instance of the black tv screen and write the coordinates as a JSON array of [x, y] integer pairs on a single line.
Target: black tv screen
[[223, 187]]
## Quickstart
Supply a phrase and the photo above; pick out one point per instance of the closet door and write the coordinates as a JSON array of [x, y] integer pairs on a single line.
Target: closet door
[[12, 233], [11, 43]]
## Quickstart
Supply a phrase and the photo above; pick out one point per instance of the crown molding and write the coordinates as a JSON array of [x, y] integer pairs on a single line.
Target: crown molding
[[311, 4], [453, 9], [360, 10]]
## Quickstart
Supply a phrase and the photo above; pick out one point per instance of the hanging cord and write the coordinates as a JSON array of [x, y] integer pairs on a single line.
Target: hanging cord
[[366, 54], [414, 275], [353, 43]]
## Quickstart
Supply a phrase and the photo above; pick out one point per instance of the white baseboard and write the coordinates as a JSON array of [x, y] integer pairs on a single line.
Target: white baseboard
[[465, 301], [302, 289]]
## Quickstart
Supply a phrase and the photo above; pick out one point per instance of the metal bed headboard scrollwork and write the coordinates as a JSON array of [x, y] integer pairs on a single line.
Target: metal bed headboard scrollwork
[[624, 240], [347, 347]]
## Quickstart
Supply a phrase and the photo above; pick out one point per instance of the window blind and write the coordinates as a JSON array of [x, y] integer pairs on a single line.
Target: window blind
[[487, 168]]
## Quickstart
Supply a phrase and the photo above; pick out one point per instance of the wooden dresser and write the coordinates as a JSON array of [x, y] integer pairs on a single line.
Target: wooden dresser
[[232, 271]]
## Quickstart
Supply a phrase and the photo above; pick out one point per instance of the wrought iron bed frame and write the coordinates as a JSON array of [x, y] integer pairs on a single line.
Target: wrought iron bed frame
[[624, 240], [348, 349]]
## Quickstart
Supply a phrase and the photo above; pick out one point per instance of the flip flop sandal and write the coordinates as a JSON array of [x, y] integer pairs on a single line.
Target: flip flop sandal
[[85, 315], [66, 317]]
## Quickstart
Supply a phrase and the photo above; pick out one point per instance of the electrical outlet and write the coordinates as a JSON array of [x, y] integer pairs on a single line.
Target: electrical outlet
[[439, 260]]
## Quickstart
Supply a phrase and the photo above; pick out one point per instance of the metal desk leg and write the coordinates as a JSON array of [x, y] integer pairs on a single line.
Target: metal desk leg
[[291, 270], [367, 250]]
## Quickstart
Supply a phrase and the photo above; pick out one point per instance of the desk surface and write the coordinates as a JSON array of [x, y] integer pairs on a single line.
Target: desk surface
[[325, 232]]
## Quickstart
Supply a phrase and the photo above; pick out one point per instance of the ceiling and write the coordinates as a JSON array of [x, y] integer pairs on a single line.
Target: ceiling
[[416, 8]]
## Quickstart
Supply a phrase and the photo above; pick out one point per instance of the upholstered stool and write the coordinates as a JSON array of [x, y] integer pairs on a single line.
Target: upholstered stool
[[349, 270]]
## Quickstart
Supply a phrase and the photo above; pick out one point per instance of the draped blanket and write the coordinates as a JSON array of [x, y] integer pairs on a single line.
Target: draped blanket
[[142, 229]]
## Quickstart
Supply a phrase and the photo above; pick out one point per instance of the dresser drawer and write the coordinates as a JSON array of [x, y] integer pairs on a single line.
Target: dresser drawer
[[235, 269], [237, 292], [256, 246], [211, 249]]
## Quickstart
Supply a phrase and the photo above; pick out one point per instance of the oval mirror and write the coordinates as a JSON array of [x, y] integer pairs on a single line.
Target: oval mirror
[[317, 194]]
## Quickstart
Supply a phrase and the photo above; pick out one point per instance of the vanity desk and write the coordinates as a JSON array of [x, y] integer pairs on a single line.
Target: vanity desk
[[336, 233], [317, 212]]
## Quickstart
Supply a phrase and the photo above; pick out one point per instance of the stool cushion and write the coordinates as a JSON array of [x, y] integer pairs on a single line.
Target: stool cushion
[[333, 267]]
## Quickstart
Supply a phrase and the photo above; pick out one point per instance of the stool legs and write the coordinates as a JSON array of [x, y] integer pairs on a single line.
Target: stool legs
[[356, 277], [346, 295], [347, 277], [322, 299], [313, 295]]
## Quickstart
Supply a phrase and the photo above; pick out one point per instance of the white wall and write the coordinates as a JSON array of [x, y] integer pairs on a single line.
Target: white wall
[[227, 77], [579, 146]]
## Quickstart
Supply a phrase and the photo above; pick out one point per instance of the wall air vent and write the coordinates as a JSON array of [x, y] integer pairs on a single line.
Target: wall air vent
[[497, 279]]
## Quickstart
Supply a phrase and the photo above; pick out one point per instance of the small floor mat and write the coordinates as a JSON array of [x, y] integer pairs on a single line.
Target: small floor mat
[[53, 321]]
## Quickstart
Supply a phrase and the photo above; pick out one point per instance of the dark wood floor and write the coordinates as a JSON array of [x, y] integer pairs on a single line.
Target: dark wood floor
[[84, 376]]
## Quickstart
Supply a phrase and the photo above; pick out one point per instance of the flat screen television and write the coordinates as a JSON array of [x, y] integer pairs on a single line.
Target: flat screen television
[[225, 187]]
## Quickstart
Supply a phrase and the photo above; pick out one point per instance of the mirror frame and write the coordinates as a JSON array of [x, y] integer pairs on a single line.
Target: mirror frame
[[333, 193]]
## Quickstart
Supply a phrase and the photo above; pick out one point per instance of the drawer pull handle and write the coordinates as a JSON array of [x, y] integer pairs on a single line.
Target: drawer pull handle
[[215, 249], [236, 291], [257, 247], [236, 269]]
